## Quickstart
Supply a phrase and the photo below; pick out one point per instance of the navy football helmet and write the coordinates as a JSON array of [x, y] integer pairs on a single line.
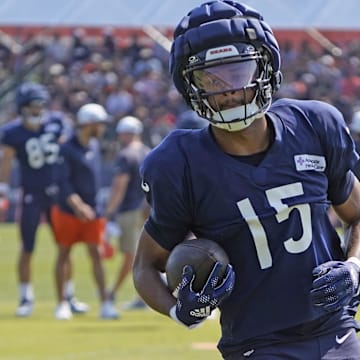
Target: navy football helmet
[[223, 47], [29, 92]]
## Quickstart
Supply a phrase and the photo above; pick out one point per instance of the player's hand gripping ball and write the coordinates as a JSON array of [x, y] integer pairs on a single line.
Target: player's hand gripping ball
[[200, 277], [201, 254]]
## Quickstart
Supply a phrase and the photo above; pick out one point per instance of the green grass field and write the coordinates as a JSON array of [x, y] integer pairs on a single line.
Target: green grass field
[[141, 334], [138, 335]]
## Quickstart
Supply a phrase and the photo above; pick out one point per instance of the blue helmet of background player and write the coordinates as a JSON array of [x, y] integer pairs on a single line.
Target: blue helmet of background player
[[223, 47], [33, 97]]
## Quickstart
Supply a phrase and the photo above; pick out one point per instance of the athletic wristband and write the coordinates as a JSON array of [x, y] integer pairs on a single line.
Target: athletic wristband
[[354, 260], [173, 315], [4, 188]]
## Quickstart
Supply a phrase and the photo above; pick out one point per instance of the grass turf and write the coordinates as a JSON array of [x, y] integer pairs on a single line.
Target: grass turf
[[141, 334], [138, 335]]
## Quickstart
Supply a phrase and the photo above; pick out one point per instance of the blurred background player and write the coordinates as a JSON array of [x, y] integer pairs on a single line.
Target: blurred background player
[[33, 140], [77, 218], [127, 201]]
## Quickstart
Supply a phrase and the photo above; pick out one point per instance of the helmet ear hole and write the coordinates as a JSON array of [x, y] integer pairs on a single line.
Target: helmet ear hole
[[276, 80]]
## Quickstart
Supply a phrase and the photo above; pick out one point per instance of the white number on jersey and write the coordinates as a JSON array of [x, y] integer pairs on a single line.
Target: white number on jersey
[[42, 150], [275, 197]]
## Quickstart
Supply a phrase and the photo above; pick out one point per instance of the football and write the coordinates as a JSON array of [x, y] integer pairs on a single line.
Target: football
[[201, 254]]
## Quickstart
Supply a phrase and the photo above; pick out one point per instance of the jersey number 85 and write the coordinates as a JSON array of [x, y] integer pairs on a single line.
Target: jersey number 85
[[42, 150]]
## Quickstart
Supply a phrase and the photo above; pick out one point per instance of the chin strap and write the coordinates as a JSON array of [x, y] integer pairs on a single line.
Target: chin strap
[[238, 125]]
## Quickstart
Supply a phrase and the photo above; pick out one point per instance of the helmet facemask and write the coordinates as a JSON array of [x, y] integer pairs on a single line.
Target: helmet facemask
[[34, 113], [229, 85]]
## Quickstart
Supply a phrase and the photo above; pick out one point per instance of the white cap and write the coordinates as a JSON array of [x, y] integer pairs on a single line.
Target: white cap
[[129, 125], [355, 122], [91, 113]]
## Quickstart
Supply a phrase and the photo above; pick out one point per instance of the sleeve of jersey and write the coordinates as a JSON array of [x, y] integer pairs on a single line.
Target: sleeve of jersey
[[66, 128], [122, 166], [163, 179], [66, 188], [6, 138], [341, 155]]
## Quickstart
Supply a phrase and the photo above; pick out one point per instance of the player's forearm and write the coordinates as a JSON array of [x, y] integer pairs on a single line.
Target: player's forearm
[[4, 175], [153, 289], [6, 164], [115, 200], [117, 194], [150, 260], [4, 181], [352, 239], [75, 202], [349, 213], [80, 208]]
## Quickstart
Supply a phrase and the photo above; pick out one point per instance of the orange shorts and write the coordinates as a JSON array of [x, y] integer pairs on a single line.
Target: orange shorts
[[69, 229]]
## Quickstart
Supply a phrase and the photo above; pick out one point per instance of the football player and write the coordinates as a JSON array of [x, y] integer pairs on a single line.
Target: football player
[[33, 140], [76, 218], [259, 180]]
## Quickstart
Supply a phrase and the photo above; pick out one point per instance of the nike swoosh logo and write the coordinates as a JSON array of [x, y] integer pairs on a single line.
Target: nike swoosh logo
[[341, 340], [248, 353], [145, 186]]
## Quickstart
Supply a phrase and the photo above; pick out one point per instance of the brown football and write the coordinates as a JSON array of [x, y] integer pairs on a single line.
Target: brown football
[[201, 254]]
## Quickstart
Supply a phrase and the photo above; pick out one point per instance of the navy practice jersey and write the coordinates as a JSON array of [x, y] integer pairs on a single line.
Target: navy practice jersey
[[271, 219], [128, 162], [80, 172], [36, 151]]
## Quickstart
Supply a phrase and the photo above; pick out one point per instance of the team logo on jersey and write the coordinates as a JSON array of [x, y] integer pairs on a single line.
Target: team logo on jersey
[[306, 162]]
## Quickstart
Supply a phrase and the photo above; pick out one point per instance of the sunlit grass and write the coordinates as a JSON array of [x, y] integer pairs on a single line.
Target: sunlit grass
[[137, 335]]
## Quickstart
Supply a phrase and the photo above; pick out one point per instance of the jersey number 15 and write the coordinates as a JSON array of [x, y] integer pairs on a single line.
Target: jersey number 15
[[275, 197]]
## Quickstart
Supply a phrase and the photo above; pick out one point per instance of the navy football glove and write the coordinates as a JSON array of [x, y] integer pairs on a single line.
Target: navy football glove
[[191, 307], [335, 284]]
